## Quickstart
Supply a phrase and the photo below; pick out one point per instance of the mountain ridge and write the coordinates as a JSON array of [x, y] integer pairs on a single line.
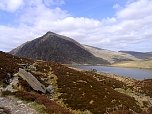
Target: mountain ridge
[[58, 48], [110, 56], [62, 49], [139, 55]]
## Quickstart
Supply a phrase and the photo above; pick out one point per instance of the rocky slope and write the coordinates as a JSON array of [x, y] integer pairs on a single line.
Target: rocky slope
[[74, 92], [110, 56], [15, 106], [57, 48]]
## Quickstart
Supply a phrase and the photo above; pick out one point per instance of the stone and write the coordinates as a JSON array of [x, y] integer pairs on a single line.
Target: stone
[[10, 87], [32, 67], [24, 66], [8, 78], [50, 89], [31, 80], [19, 102]]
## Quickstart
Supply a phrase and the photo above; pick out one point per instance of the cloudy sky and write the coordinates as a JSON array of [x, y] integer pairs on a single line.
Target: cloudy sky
[[110, 24]]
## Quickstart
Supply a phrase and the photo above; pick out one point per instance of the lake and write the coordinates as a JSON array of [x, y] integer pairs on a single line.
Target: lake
[[139, 74]]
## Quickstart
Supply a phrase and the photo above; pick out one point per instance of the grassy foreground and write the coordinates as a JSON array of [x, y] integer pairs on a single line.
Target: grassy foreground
[[145, 64]]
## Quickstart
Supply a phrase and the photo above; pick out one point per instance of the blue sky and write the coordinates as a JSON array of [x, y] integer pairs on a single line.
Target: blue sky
[[97, 9], [110, 24]]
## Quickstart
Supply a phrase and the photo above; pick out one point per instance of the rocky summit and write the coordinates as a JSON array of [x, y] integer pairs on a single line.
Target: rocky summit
[[58, 48]]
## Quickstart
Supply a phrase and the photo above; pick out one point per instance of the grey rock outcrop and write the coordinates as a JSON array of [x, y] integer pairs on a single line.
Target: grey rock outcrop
[[12, 105], [32, 81], [50, 89]]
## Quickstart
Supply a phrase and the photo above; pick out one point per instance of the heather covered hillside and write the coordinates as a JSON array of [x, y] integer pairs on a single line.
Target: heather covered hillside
[[72, 91], [10, 64]]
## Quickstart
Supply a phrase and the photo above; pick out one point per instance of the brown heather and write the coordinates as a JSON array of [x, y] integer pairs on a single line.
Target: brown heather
[[78, 90]]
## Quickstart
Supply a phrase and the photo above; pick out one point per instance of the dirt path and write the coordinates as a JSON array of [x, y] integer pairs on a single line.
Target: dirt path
[[16, 106]]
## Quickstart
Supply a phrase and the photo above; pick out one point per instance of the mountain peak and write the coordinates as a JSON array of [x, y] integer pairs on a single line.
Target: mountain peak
[[58, 48], [50, 33]]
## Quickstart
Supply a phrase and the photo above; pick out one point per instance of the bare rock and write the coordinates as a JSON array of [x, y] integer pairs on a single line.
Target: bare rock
[[50, 89], [32, 81]]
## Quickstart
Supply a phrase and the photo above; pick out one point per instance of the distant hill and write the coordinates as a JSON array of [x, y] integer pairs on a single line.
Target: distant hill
[[110, 56], [142, 64], [149, 52], [58, 48], [140, 55]]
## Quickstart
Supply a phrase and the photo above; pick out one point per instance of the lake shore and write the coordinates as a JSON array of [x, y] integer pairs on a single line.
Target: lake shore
[[135, 73]]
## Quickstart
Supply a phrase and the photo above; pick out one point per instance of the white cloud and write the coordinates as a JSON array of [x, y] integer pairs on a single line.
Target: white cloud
[[10, 5], [116, 6], [53, 2], [11, 37], [136, 10], [131, 27]]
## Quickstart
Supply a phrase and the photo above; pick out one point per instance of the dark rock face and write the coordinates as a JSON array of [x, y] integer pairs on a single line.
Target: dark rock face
[[57, 48]]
